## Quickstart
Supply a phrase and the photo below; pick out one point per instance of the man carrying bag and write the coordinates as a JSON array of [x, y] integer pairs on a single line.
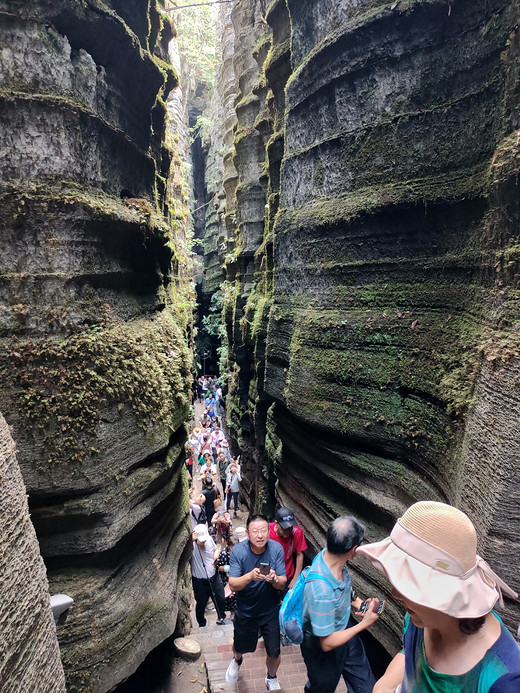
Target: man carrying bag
[[204, 576]]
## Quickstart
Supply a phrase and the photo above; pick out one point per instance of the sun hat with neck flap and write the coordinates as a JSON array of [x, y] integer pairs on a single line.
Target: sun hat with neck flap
[[431, 558]]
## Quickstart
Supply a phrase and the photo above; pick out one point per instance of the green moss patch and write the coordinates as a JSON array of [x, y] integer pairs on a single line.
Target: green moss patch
[[350, 205], [60, 387]]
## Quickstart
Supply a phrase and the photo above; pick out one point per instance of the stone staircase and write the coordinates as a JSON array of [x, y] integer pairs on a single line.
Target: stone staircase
[[291, 674], [216, 642]]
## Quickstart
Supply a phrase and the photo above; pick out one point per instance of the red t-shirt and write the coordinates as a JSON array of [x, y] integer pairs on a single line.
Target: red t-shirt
[[290, 546]]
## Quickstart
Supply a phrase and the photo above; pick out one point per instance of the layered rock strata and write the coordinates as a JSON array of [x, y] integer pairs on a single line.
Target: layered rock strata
[[272, 54], [386, 254], [390, 353], [251, 134], [30, 659], [93, 326]]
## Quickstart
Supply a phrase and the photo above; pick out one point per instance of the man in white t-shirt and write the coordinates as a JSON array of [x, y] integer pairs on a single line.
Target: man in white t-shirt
[[205, 578]]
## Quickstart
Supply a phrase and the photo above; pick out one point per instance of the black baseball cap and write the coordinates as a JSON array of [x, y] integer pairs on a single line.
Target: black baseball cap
[[285, 518]]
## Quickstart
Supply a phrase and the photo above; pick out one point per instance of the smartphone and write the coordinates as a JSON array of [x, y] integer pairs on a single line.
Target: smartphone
[[364, 608], [265, 568]]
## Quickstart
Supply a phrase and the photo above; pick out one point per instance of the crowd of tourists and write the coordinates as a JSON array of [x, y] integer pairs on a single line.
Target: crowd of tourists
[[209, 459], [453, 640], [207, 390], [210, 465]]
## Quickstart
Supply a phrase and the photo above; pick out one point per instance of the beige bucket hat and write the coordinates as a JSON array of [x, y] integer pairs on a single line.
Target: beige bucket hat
[[431, 558]]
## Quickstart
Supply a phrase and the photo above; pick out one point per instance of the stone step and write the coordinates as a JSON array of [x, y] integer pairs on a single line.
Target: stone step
[[292, 673], [217, 650]]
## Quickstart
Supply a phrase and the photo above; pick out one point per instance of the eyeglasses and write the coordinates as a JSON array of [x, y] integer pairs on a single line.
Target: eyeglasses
[[258, 532]]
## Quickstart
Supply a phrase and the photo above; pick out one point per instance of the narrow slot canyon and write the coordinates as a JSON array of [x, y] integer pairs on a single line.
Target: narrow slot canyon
[[316, 201]]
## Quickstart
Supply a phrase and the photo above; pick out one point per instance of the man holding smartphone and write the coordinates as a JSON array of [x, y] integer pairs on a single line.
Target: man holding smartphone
[[257, 575], [331, 646]]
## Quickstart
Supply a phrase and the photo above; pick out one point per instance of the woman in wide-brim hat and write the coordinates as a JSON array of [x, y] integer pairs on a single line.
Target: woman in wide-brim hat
[[453, 642]]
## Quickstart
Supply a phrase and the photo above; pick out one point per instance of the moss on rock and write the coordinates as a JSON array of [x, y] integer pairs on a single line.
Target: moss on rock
[[61, 386]]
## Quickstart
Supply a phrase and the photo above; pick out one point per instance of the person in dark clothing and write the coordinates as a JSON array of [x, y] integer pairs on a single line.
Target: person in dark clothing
[[210, 493], [233, 480], [223, 567]]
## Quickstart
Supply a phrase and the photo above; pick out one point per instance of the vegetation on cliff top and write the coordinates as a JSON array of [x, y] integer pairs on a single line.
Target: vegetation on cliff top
[[197, 39]]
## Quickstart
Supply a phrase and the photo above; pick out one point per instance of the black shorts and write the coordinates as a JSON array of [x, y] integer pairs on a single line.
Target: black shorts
[[245, 633]]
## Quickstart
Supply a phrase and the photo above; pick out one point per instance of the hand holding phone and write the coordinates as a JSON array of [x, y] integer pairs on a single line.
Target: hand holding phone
[[264, 568], [365, 605]]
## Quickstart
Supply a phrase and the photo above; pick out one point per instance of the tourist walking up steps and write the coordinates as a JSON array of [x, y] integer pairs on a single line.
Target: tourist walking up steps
[[256, 574], [207, 466], [208, 417], [222, 523], [205, 445], [292, 540], [211, 494], [218, 400], [331, 646], [233, 480], [195, 440], [222, 465], [197, 511], [224, 448], [215, 439], [223, 567], [205, 578], [452, 642], [210, 402]]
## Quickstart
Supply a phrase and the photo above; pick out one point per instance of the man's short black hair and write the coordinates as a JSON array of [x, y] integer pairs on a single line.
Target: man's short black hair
[[344, 533], [255, 518]]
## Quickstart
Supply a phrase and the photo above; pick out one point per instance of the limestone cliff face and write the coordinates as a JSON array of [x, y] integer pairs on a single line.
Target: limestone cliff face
[[220, 172], [30, 659], [93, 347], [247, 197], [389, 282]]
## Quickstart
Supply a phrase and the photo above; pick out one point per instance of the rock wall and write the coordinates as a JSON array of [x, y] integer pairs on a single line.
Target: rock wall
[[217, 242], [30, 659], [380, 288], [247, 197], [95, 318]]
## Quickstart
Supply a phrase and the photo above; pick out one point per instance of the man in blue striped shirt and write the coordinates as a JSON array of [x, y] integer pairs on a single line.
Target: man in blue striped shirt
[[331, 646]]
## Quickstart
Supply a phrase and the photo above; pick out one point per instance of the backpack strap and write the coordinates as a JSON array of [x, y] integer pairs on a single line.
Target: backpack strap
[[316, 576]]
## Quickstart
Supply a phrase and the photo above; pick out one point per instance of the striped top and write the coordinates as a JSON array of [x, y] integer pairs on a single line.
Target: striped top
[[326, 605]]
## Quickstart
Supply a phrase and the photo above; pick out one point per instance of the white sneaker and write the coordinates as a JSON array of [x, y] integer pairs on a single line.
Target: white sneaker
[[272, 684], [232, 671]]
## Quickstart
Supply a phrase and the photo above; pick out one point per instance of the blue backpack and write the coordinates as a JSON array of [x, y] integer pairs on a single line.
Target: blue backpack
[[291, 611]]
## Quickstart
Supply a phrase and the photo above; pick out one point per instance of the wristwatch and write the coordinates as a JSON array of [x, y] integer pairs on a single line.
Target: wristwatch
[[275, 578]]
